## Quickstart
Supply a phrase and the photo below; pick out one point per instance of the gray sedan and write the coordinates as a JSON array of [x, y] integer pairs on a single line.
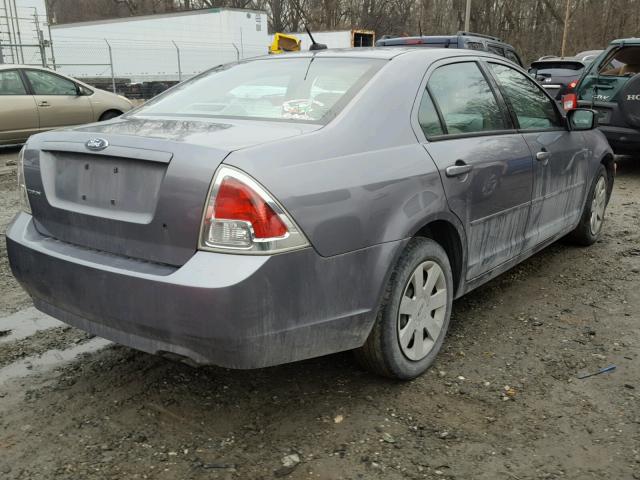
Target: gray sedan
[[294, 206]]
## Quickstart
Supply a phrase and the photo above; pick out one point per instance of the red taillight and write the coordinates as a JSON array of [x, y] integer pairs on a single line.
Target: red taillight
[[570, 101], [237, 201], [573, 84], [241, 216]]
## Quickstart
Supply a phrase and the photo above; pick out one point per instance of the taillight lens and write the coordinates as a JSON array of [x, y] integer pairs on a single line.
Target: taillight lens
[[570, 101], [573, 84], [25, 206], [242, 216]]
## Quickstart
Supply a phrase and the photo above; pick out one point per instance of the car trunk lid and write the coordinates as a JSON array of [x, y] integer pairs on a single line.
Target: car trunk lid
[[141, 193]]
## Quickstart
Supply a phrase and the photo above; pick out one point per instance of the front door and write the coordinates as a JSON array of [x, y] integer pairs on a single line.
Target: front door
[[560, 168], [484, 163], [18, 111], [58, 99]]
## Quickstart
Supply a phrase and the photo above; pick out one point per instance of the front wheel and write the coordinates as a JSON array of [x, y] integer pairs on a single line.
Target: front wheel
[[110, 114], [414, 315], [589, 229]]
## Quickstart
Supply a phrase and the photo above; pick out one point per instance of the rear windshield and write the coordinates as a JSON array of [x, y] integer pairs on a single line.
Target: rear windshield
[[310, 90]]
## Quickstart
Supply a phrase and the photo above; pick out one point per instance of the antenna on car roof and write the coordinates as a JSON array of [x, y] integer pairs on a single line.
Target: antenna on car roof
[[314, 45]]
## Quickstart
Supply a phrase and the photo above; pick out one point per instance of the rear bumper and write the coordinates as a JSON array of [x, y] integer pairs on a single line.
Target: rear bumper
[[623, 141], [235, 311]]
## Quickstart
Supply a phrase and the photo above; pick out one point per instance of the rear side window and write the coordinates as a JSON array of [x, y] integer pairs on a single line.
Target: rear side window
[[496, 49], [465, 99], [512, 56], [11, 83], [534, 110], [428, 117]]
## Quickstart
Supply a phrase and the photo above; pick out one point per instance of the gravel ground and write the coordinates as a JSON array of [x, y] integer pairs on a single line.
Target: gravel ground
[[503, 400]]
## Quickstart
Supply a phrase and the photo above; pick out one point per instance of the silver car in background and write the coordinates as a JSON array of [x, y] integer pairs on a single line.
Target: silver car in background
[[294, 206]]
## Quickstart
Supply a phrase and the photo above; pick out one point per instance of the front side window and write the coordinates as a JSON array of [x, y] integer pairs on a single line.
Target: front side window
[[465, 99], [533, 109], [11, 83], [44, 83], [625, 62], [311, 90]]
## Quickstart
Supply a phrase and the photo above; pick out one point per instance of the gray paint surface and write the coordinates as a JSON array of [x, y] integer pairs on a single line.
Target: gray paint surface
[[358, 187]]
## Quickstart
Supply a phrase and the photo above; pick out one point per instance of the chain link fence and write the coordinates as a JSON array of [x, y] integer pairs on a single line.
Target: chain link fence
[[142, 69]]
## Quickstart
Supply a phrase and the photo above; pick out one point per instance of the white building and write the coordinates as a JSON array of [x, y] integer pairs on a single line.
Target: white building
[[148, 47]]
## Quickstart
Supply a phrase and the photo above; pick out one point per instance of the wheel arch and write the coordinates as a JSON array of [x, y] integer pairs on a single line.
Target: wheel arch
[[110, 110], [609, 164], [447, 231]]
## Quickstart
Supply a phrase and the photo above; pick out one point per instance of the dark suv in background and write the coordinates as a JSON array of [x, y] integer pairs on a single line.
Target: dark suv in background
[[468, 40], [558, 76], [611, 86]]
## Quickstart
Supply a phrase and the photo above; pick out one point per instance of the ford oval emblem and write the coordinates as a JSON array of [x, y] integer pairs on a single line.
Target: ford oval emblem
[[97, 144]]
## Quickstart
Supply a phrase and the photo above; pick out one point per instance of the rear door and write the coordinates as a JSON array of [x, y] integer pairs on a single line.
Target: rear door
[[18, 112], [58, 100], [560, 169], [484, 163]]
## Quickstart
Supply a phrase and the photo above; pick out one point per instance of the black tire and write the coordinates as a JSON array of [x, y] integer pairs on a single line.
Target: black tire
[[382, 353], [583, 233], [110, 114]]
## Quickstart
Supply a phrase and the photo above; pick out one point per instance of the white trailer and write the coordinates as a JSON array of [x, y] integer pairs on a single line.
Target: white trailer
[[159, 47], [337, 38]]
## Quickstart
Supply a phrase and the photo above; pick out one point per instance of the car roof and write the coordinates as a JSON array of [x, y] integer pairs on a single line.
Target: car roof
[[450, 38], [358, 52], [384, 53], [626, 41]]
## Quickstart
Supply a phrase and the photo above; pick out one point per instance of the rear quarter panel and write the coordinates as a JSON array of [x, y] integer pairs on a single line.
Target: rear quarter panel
[[363, 179]]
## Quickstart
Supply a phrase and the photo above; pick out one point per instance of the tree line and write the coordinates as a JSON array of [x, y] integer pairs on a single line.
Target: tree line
[[534, 27]]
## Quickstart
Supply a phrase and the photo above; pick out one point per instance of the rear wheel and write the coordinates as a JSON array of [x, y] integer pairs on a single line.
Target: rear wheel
[[589, 229], [414, 315]]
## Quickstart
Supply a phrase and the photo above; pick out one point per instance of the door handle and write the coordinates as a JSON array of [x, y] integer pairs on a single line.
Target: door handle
[[460, 168], [543, 155], [43, 103]]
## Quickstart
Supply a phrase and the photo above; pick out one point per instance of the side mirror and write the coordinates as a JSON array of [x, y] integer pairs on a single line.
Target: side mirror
[[81, 91], [582, 119]]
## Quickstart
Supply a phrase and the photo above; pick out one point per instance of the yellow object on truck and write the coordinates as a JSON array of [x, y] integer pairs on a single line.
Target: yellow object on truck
[[284, 43]]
